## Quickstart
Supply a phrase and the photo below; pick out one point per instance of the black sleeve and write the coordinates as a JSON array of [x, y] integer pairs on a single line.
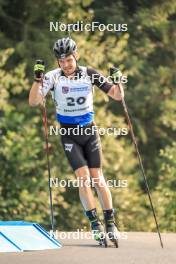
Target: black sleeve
[[99, 80]]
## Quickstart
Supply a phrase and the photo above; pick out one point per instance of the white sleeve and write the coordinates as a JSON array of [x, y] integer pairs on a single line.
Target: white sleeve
[[48, 83]]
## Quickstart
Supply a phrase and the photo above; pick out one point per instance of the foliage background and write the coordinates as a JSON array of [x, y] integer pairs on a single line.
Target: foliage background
[[146, 54]]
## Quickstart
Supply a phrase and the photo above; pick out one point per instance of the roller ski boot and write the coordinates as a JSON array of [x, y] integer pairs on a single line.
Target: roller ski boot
[[111, 228], [97, 228], [98, 233]]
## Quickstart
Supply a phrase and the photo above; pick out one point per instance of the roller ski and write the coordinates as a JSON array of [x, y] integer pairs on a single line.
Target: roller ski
[[99, 234], [112, 232], [97, 228], [111, 228]]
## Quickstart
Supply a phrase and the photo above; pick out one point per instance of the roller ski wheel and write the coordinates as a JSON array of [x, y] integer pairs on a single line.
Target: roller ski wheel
[[103, 242], [114, 242]]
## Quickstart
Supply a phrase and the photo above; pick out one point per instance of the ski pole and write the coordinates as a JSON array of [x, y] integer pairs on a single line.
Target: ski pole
[[48, 165], [44, 119], [113, 70]]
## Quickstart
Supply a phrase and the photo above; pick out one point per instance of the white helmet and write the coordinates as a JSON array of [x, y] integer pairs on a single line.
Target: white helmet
[[64, 47]]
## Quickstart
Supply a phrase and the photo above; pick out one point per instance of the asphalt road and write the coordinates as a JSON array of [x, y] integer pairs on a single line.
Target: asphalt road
[[138, 248]]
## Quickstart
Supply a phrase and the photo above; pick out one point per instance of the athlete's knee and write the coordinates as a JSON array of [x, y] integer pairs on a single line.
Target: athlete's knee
[[83, 176], [98, 180]]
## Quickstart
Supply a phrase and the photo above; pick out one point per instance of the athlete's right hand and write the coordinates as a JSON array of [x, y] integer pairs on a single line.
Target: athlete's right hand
[[39, 69]]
